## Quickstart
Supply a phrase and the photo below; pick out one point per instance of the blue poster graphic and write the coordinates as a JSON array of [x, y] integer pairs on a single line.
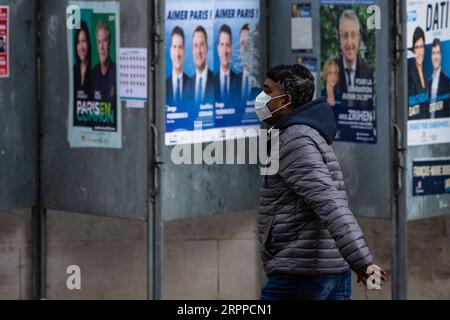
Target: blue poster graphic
[[348, 58], [431, 177], [236, 61]]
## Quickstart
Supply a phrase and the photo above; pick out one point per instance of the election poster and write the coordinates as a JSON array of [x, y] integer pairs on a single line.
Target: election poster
[[211, 70], [237, 63], [348, 59], [428, 43], [431, 177], [94, 105], [4, 41]]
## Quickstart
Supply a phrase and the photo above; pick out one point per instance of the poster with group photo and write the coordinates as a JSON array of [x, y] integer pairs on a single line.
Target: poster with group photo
[[428, 43], [94, 105], [348, 68], [211, 69]]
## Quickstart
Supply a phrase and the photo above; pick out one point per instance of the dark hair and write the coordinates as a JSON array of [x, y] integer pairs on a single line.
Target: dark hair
[[436, 42], [295, 80], [177, 31], [418, 34], [245, 27], [226, 29], [83, 28], [201, 29]]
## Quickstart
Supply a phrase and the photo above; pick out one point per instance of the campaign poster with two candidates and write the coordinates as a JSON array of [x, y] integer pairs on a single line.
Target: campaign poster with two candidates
[[94, 105], [348, 59], [428, 43], [211, 69]]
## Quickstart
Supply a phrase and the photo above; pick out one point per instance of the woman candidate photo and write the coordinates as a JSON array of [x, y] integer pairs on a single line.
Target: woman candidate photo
[[330, 76]]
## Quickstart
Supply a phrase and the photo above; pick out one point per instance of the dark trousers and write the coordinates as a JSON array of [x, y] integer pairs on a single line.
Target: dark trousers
[[285, 287]]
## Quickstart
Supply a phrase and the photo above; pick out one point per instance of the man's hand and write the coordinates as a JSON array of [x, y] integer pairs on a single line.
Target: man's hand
[[373, 277]]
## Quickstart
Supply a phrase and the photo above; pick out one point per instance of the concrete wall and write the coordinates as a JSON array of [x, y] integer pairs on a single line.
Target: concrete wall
[[212, 258], [206, 258]]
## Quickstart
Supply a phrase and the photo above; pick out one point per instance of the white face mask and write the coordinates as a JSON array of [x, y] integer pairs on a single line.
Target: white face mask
[[261, 108]]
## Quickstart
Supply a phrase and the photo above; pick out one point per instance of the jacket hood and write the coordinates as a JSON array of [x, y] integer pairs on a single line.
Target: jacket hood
[[317, 114]]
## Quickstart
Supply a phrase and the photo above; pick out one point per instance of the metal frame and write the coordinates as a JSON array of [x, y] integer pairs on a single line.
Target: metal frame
[[395, 144]]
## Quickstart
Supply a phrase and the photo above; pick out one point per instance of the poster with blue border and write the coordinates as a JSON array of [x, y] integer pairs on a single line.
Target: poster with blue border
[[428, 43], [302, 28]]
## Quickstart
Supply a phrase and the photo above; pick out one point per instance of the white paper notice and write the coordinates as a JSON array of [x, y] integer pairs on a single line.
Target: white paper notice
[[302, 24], [133, 76]]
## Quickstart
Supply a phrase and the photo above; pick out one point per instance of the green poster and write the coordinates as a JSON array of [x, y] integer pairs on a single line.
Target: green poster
[[94, 105]]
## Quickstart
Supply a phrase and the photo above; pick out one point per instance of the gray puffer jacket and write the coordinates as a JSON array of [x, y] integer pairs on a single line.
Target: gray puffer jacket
[[305, 225]]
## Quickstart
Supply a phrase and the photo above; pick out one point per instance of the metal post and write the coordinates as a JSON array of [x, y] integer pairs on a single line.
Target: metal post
[[150, 264]]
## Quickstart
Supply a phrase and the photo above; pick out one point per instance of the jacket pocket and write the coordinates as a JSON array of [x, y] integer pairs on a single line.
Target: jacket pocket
[[266, 237]]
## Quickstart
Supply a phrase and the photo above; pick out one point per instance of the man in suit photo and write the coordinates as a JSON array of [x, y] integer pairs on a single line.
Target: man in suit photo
[[177, 82], [355, 72], [2, 45], [438, 85], [226, 80], [202, 83]]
